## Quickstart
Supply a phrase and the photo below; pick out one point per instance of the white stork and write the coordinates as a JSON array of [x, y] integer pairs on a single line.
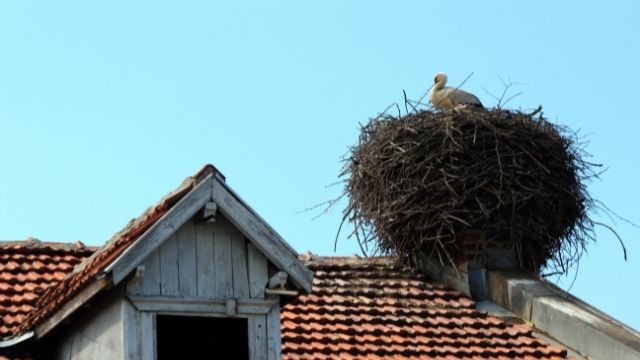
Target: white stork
[[450, 98]]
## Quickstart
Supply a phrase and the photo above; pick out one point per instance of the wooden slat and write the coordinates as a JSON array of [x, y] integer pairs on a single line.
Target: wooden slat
[[239, 264], [151, 278], [187, 260], [257, 337], [273, 333], [131, 331], [148, 336], [169, 279], [258, 271], [202, 306], [205, 259], [161, 230], [223, 265], [261, 234]]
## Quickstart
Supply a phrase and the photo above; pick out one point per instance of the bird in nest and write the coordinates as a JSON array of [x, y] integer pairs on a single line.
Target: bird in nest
[[445, 98]]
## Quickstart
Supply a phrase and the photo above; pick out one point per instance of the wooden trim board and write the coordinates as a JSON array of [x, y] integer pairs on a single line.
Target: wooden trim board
[[179, 214], [265, 238], [202, 306], [71, 306]]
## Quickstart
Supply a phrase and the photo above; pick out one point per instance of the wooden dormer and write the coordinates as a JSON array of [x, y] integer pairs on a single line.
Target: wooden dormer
[[205, 281], [205, 269], [203, 278]]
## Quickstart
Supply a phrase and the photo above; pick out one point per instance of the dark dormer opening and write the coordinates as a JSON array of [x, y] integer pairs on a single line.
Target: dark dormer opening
[[193, 337]]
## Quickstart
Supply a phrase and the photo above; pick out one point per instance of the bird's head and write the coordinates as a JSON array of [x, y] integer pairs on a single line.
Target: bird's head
[[439, 80]]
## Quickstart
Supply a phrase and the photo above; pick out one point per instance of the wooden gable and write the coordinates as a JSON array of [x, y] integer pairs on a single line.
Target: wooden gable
[[207, 259], [213, 192], [210, 256]]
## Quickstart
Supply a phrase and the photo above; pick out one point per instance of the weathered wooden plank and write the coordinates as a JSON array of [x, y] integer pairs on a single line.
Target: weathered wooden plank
[[273, 333], [161, 230], [258, 271], [199, 305], [148, 336], [131, 332], [223, 264], [239, 264], [187, 274], [72, 305], [134, 285], [261, 234], [205, 259], [101, 338], [169, 279], [151, 277], [257, 337]]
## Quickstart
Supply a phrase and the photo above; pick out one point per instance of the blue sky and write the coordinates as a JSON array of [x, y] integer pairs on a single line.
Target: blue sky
[[105, 106]]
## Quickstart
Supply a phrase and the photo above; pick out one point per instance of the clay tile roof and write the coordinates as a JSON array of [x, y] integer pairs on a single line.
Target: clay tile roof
[[374, 309], [65, 283], [27, 269]]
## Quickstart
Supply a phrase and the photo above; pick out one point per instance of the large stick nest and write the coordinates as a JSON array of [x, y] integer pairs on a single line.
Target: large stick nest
[[416, 183]]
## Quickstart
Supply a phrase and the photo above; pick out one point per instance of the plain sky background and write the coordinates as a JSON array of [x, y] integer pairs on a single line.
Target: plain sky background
[[105, 106]]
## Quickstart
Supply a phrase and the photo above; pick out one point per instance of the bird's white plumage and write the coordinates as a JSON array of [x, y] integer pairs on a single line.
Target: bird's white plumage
[[447, 97]]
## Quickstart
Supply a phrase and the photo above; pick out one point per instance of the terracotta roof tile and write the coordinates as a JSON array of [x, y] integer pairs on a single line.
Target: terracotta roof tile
[[69, 281], [374, 309], [358, 309], [27, 269]]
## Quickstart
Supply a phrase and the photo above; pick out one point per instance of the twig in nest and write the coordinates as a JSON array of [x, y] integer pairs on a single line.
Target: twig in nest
[[507, 86], [407, 102], [536, 111], [624, 249], [501, 102], [464, 81]]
